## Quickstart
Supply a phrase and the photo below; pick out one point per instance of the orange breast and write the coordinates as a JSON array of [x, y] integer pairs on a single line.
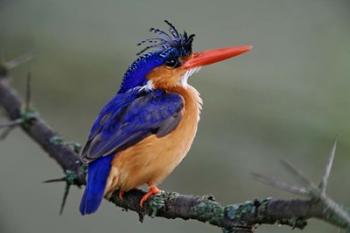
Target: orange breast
[[151, 160]]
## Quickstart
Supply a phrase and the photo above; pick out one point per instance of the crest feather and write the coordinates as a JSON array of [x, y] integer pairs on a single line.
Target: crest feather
[[168, 41]]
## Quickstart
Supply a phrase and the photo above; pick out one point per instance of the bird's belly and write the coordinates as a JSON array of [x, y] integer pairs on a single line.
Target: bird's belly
[[152, 160]]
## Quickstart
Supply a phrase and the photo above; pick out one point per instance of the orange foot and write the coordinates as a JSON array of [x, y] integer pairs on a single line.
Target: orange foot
[[152, 190], [121, 195]]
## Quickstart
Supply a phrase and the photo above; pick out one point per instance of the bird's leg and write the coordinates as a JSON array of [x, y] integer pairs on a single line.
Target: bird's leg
[[121, 195], [152, 190]]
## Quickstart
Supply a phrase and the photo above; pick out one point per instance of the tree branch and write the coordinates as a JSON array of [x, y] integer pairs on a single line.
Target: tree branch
[[241, 217]]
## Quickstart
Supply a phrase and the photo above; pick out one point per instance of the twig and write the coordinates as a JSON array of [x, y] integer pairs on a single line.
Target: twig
[[296, 174], [331, 211], [280, 184], [11, 123], [6, 132], [19, 60], [7, 127], [327, 172]]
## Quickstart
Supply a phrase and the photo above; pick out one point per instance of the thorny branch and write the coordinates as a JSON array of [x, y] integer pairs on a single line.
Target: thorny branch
[[242, 217]]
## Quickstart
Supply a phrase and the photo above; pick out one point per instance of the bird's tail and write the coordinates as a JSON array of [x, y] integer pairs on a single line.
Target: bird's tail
[[98, 172]]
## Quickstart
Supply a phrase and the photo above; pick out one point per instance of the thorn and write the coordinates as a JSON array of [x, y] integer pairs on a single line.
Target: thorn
[[327, 172], [28, 92], [9, 126], [280, 184], [6, 132], [11, 123], [55, 180], [65, 196], [298, 175], [18, 60], [66, 190]]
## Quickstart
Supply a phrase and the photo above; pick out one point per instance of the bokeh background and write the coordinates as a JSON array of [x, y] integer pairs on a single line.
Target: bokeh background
[[287, 99]]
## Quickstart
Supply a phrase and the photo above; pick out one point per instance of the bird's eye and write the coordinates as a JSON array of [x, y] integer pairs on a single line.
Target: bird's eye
[[172, 62]]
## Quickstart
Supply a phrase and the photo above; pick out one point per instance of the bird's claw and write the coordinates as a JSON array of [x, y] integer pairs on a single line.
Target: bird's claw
[[155, 203], [152, 190]]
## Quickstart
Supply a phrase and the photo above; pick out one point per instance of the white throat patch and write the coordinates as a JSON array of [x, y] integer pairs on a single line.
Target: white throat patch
[[148, 87], [189, 73]]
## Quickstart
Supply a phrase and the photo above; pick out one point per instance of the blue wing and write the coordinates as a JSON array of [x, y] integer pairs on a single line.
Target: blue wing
[[130, 117]]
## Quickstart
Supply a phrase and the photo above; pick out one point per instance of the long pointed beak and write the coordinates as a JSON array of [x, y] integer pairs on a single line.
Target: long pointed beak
[[214, 55]]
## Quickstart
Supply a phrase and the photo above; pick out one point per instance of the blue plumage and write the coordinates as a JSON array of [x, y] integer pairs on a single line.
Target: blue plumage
[[135, 76], [129, 117], [133, 113], [98, 172], [125, 120], [167, 47]]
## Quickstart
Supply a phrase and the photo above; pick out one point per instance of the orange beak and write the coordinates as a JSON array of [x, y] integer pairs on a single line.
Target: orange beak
[[214, 55]]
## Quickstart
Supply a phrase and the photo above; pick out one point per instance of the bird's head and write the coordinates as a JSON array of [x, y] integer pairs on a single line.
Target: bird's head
[[171, 61]]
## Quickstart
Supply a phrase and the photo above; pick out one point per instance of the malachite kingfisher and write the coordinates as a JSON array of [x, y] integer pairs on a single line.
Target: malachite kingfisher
[[148, 127]]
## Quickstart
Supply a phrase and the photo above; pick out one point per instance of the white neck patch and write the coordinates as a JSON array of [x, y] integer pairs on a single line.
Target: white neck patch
[[149, 86], [189, 73]]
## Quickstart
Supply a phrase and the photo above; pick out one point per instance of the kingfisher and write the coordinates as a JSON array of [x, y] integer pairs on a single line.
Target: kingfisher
[[142, 134]]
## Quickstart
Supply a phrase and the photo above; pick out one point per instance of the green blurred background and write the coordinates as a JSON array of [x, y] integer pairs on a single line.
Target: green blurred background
[[287, 99]]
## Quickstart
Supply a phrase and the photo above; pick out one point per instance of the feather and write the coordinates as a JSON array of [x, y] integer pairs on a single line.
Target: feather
[[131, 119], [98, 172]]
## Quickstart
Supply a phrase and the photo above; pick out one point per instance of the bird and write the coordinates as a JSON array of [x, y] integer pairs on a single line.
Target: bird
[[147, 128]]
